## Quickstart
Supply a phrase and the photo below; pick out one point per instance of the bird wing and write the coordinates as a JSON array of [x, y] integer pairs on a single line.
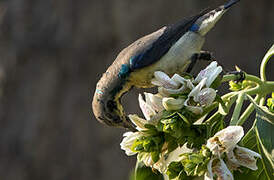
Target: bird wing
[[155, 50]]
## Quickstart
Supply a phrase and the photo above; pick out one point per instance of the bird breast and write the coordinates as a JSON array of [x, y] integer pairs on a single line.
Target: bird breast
[[176, 60]]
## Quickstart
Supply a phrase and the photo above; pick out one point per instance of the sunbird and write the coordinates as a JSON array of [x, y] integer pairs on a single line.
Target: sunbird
[[171, 49]]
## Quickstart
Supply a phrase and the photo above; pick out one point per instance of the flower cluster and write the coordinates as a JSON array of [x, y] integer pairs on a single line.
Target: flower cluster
[[178, 91], [217, 158], [223, 146], [172, 139], [169, 117]]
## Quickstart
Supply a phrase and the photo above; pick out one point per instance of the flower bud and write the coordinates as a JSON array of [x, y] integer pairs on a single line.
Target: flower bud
[[195, 109], [173, 104]]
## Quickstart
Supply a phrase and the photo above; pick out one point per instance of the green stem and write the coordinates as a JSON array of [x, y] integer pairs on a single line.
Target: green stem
[[229, 95], [229, 77], [262, 101], [213, 118], [263, 89], [209, 109], [233, 77], [218, 114], [248, 111], [253, 78], [266, 58], [237, 109]]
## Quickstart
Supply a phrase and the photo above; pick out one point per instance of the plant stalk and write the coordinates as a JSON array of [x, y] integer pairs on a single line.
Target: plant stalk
[[237, 109]]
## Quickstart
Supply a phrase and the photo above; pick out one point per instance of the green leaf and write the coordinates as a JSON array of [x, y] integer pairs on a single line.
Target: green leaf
[[222, 107], [264, 172], [260, 138], [155, 156], [174, 169], [216, 125], [217, 82], [262, 112], [270, 103], [171, 143], [144, 173], [183, 118], [265, 137]]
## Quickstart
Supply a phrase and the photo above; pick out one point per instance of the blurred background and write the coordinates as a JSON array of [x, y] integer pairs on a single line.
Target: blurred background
[[52, 53]]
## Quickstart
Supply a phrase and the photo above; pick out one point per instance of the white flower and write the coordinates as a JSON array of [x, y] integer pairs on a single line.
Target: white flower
[[170, 103], [241, 156], [167, 158], [218, 167], [162, 79], [225, 140], [194, 93], [155, 101], [151, 106], [147, 159], [127, 142], [174, 85], [206, 96], [138, 122], [210, 73], [146, 108]]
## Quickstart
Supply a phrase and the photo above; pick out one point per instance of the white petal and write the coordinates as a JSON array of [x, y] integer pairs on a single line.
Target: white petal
[[244, 157], [189, 84], [212, 65], [214, 74], [155, 82], [214, 147], [162, 91], [204, 73], [155, 101], [210, 72], [160, 165], [128, 140], [175, 155], [179, 79], [147, 160], [174, 91], [225, 173], [182, 85], [166, 159], [230, 136], [146, 108], [209, 173], [165, 80], [206, 96], [194, 93], [139, 122], [195, 109], [218, 168]]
